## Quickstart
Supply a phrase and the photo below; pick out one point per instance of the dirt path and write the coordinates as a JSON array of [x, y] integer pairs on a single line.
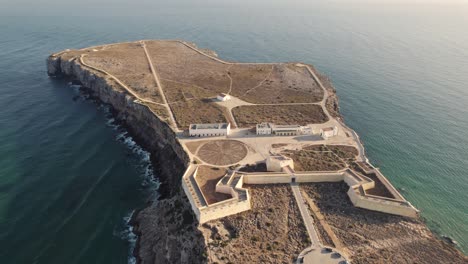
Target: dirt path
[[158, 82], [128, 89]]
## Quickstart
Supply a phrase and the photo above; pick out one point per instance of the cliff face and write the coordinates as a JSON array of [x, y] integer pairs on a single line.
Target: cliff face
[[167, 229], [148, 129]]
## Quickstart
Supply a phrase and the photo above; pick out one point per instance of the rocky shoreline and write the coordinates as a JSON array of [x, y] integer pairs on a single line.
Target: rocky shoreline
[[167, 229], [169, 162]]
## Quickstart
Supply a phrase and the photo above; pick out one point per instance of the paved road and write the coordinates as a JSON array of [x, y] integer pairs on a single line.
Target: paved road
[[308, 220]]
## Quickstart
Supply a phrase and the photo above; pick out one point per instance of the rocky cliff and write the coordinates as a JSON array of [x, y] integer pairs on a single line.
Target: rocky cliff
[[167, 228]]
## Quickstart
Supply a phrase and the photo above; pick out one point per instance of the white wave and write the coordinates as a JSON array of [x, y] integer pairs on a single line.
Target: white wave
[[76, 87], [149, 183], [128, 235]]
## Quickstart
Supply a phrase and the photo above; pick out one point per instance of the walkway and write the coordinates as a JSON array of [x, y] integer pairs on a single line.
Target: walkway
[[138, 99], [158, 83], [194, 190], [306, 217]]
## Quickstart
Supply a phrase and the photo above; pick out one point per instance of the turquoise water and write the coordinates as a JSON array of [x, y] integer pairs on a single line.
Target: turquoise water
[[69, 178]]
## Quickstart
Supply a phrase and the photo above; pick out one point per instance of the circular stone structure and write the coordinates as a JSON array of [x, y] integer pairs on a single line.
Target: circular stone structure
[[222, 152]]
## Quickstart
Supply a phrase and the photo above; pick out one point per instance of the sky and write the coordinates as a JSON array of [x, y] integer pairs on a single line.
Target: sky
[[57, 7]]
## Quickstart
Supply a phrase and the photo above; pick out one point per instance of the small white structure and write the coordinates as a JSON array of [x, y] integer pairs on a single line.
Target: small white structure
[[278, 162], [209, 130], [264, 129], [222, 97], [328, 132], [307, 130]]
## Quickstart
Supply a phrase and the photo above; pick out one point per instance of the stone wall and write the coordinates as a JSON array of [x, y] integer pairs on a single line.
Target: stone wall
[[381, 205], [266, 178], [354, 181], [223, 209]]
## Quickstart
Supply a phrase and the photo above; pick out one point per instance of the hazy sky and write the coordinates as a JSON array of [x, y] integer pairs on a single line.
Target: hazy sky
[[145, 7]]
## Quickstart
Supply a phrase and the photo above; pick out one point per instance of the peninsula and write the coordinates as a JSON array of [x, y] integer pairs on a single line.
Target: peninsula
[[256, 163]]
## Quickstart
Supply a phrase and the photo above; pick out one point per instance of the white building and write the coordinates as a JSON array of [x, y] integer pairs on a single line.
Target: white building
[[264, 129], [328, 132], [286, 130], [282, 130], [209, 130], [307, 130], [223, 97], [278, 162]]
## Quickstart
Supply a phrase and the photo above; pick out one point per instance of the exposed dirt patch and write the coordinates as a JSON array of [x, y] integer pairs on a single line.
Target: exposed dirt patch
[[374, 237], [193, 146], [278, 145], [247, 116], [272, 232], [207, 178]]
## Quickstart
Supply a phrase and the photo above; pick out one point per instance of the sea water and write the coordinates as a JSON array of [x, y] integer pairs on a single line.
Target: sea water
[[70, 178]]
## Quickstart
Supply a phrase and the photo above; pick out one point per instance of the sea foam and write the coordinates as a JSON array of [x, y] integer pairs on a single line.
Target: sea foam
[[149, 182]]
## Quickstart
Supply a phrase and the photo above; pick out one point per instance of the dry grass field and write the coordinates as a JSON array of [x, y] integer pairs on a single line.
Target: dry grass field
[[189, 79], [272, 232], [248, 116], [285, 83], [207, 178], [127, 62], [196, 111], [160, 110], [177, 91], [255, 83], [174, 61], [374, 237], [322, 157]]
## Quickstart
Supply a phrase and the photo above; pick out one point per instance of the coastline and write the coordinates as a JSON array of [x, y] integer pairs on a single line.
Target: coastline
[[168, 156]]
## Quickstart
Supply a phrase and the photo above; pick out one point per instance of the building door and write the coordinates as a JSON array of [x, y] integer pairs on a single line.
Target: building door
[[293, 179]]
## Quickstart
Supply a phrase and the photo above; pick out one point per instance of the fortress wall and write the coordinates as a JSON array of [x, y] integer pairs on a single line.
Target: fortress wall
[[198, 186], [266, 179], [368, 185], [388, 185], [190, 198], [222, 210], [381, 205], [350, 180], [329, 177], [223, 189], [190, 170], [227, 207]]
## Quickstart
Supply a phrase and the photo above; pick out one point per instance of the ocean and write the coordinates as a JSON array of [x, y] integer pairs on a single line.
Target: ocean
[[70, 177]]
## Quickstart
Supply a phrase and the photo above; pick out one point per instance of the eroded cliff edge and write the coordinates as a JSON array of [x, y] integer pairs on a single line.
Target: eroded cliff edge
[[167, 229]]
